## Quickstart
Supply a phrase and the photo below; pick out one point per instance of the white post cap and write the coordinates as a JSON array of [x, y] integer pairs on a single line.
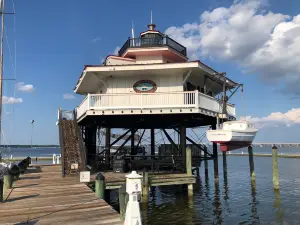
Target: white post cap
[[134, 175]]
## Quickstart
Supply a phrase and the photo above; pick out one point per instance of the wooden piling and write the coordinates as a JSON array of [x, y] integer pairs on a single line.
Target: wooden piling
[[145, 187], [123, 199], [224, 163], [189, 168], [215, 154], [100, 186], [205, 164], [107, 144], [132, 142], [1, 191], [7, 182], [152, 131], [198, 171], [183, 143], [275, 167], [251, 162]]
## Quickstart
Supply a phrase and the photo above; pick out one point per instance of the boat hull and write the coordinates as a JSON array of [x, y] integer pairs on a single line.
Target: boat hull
[[231, 140]]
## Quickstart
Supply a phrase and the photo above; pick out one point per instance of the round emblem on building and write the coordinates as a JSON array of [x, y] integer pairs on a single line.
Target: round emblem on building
[[144, 86]]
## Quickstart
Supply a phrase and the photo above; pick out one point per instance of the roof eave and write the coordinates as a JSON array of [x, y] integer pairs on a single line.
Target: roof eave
[[212, 72]]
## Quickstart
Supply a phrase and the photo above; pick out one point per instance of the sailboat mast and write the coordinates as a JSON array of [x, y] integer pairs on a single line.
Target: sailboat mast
[[1, 64]]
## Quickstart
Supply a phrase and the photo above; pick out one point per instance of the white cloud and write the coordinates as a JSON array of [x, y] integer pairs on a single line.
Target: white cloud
[[21, 86], [288, 119], [102, 59], [68, 96], [259, 41], [11, 100], [96, 39], [116, 51]]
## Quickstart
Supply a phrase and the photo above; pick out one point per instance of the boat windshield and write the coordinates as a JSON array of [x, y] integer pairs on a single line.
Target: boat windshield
[[235, 126]]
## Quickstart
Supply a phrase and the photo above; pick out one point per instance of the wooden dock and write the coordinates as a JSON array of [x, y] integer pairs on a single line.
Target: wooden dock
[[115, 180], [42, 196]]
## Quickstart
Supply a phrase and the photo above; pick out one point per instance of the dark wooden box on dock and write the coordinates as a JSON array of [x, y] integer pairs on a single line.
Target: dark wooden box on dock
[[119, 166]]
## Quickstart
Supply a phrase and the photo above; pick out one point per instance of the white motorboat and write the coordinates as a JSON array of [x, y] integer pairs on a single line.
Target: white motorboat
[[233, 135]]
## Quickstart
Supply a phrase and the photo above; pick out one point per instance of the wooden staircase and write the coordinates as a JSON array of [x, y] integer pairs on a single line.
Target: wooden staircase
[[72, 148]]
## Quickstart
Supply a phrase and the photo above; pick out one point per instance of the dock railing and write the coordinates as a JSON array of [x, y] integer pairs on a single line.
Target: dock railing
[[158, 100]]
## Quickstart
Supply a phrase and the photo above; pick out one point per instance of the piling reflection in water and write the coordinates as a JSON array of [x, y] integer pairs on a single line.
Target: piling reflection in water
[[254, 216], [277, 206], [217, 205]]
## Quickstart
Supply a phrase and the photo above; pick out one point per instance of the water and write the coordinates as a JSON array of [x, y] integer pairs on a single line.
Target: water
[[31, 152], [233, 201]]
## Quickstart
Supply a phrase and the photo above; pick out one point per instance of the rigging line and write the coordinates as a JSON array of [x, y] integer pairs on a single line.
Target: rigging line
[[148, 138], [15, 32], [9, 50], [191, 135], [15, 65], [199, 139], [156, 142]]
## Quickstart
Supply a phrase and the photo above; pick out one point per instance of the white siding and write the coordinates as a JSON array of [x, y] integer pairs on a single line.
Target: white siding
[[163, 83]]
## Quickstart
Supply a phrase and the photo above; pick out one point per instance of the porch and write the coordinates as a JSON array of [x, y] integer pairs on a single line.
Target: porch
[[152, 103]]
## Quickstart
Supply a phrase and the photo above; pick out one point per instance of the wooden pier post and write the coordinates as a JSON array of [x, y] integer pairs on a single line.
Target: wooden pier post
[[251, 162], [205, 164], [107, 145], [7, 182], [1, 191], [132, 142], [275, 167], [189, 168], [145, 187], [123, 199], [100, 186], [224, 163], [198, 171], [91, 143], [183, 143], [152, 142], [215, 154]]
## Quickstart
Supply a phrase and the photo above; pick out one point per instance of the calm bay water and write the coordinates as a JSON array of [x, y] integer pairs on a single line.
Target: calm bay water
[[233, 200]]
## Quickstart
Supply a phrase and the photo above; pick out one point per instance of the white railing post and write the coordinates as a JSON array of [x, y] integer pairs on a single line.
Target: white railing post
[[196, 99], [141, 101], [88, 101]]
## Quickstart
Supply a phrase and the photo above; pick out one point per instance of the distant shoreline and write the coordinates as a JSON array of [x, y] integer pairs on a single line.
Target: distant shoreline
[[33, 159], [29, 146], [264, 155]]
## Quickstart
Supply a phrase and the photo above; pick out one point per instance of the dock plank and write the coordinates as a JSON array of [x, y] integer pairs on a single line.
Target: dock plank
[[42, 196]]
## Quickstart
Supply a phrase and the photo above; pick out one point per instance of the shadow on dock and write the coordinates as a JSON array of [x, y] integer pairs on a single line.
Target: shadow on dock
[[21, 198]]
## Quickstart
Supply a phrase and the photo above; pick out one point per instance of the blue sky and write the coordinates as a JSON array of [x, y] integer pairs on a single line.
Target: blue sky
[[55, 39]]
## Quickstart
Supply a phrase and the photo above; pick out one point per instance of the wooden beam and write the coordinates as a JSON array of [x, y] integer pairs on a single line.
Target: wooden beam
[[152, 136], [183, 143], [107, 145]]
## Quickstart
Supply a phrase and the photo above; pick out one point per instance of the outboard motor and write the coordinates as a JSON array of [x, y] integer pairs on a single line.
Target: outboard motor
[[14, 171]]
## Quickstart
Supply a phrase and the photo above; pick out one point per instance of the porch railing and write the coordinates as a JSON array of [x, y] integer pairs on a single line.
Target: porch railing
[[190, 99]]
